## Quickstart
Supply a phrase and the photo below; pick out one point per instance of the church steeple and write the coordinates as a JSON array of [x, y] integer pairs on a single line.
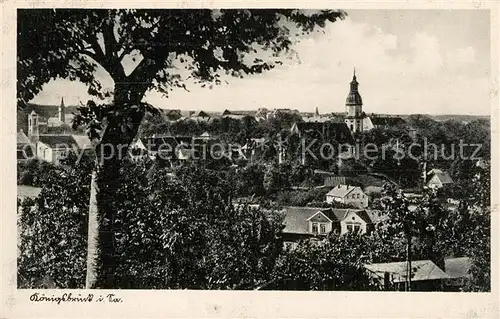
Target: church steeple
[[354, 99], [62, 111], [354, 106]]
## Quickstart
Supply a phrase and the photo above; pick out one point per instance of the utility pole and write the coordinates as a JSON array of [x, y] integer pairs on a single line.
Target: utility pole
[[408, 263], [424, 173]]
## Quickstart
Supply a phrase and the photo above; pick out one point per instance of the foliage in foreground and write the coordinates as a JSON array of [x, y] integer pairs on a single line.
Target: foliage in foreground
[[171, 232], [183, 231]]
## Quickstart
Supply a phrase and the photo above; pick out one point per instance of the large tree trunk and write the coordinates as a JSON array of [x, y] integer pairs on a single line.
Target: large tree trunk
[[115, 140], [92, 236]]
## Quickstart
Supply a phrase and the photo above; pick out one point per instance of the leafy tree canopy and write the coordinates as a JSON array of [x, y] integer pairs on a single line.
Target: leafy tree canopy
[[75, 43]]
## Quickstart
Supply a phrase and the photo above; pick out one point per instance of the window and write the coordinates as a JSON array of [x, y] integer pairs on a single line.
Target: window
[[315, 228], [322, 228], [353, 227]]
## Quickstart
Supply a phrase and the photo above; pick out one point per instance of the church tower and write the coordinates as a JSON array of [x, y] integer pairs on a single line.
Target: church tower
[[354, 107], [62, 111], [33, 127]]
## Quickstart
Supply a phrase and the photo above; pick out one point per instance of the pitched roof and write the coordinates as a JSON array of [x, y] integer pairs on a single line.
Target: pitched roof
[[296, 218], [171, 111], [241, 112], [22, 138], [375, 216], [200, 113], [82, 141], [457, 267], [421, 270], [321, 119], [434, 171], [386, 120], [444, 178], [341, 190], [57, 141]]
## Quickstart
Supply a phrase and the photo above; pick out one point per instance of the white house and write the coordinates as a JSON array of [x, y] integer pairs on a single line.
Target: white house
[[316, 222], [439, 179], [53, 148], [347, 194]]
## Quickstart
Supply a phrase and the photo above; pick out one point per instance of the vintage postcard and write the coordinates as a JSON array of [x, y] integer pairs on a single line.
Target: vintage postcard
[[286, 159]]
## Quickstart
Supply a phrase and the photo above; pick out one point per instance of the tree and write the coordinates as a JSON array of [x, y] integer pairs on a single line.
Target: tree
[[53, 229], [403, 222], [75, 44], [175, 232], [335, 263], [249, 181], [33, 172]]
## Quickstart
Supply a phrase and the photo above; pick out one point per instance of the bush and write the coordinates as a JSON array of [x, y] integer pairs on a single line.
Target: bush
[[170, 232], [53, 231]]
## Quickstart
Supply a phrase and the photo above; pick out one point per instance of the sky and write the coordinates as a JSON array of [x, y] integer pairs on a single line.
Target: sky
[[412, 61]]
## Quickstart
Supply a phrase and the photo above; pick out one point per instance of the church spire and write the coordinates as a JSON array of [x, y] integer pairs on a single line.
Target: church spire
[[354, 98], [317, 111], [62, 111]]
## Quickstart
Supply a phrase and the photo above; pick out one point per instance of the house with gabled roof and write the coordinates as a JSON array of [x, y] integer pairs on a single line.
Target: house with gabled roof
[[425, 275], [348, 194], [238, 115], [53, 148], [200, 116], [25, 149], [302, 223], [154, 146], [205, 136], [174, 114], [255, 148], [439, 179], [381, 121]]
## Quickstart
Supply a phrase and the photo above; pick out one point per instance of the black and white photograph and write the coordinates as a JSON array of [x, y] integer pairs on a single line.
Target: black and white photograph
[[253, 149]]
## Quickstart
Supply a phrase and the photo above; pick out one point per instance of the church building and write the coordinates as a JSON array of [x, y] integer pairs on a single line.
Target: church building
[[355, 117], [358, 121]]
